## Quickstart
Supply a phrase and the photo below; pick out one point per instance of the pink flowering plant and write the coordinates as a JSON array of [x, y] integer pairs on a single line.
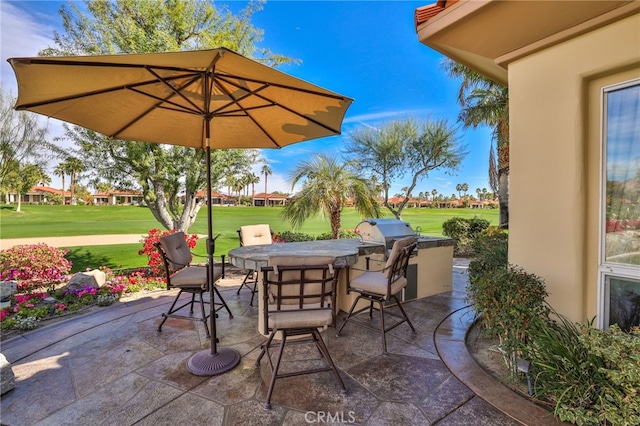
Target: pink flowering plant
[[34, 266]]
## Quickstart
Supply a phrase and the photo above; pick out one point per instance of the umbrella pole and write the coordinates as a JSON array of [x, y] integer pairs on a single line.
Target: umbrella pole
[[211, 362]]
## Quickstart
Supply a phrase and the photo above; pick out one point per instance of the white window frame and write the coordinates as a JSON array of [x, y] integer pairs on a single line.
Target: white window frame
[[606, 269]]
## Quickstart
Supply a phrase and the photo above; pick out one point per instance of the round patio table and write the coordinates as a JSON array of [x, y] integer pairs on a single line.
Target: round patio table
[[255, 257]]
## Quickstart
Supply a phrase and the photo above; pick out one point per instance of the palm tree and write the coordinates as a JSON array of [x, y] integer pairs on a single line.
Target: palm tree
[[245, 180], [74, 167], [238, 186], [45, 179], [266, 171], [327, 185], [485, 102], [254, 178], [459, 189], [230, 182], [61, 170]]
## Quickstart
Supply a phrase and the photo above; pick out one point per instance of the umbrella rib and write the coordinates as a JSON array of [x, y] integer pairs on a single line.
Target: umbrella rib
[[53, 61], [229, 78], [269, 84], [177, 91], [174, 91], [132, 87], [241, 109]]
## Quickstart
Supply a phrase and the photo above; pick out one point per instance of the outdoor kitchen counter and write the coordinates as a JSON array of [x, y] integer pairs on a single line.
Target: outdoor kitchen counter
[[432, 242]]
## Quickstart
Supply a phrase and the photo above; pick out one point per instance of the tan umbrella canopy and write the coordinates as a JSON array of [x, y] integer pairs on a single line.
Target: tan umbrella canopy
[[168, 98], [202, 99]]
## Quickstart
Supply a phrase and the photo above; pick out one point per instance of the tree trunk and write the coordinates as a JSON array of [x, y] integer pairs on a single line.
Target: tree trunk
[[335, 224], [266, 199], [503, 197], [18, 209], [190, 211], [73, 184], [160, 209]]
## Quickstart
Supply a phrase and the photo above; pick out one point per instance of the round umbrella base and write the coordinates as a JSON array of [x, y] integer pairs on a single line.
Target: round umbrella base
[[204, 363]]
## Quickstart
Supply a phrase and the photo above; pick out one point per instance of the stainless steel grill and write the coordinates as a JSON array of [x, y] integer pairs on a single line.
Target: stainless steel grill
[[384, 231]]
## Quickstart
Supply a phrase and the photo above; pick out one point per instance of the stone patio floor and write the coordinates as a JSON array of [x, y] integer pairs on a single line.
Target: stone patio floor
[[112, 367]]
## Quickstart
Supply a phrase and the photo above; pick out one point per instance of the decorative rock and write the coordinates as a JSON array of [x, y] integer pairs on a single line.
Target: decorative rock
[[7, 289], [101, 277], [95, 278], [7, 379]]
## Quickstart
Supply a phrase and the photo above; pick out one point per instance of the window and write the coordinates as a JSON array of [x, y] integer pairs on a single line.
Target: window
[[620, 236]]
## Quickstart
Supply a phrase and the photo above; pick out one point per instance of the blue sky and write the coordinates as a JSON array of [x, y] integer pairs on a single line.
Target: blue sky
[[367, 50]]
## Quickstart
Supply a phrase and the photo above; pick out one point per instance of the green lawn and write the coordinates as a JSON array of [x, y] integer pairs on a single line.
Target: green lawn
[[50, 221]]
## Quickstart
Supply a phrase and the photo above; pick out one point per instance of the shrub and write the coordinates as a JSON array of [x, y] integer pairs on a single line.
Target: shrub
[[34, 266], [511, 303], [492, 252], [292, 237], [154, 259], [590, 375], [464, 231], [26, 323], [106, 299], [344, 234]]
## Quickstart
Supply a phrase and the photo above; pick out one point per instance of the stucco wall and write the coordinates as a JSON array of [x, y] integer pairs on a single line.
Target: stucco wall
[[554, 160]]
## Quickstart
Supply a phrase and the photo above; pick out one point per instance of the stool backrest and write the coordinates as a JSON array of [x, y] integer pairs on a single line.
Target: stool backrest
[[176, 251], [396, 251], [253, 235]]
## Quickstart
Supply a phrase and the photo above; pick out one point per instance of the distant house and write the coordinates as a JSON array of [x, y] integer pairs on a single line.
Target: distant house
[[42, 195], [485, 204], [113, 198], [449, 204], [261, 199], [218, 198], [411, 203]]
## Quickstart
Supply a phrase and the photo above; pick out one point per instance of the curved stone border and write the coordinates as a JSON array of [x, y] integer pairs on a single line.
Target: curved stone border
[[450, 341]]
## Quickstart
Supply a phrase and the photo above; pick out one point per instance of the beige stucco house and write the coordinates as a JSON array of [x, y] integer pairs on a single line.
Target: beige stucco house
[[573, 71]]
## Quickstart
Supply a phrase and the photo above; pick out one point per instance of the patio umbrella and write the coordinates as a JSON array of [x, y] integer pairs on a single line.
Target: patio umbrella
[[207, 99]]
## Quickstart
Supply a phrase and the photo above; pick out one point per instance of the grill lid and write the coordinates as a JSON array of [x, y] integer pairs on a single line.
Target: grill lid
[[384, 230]]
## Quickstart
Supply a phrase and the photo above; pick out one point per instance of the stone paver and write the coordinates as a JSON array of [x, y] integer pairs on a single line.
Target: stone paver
[[113, 367]]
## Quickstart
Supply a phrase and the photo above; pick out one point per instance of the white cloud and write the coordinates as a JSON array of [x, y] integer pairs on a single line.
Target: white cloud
[[384, 116], [24, 35], [20, 35]]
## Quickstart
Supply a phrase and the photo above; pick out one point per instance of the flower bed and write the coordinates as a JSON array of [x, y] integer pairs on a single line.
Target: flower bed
[[42, 274], [29, 310]]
